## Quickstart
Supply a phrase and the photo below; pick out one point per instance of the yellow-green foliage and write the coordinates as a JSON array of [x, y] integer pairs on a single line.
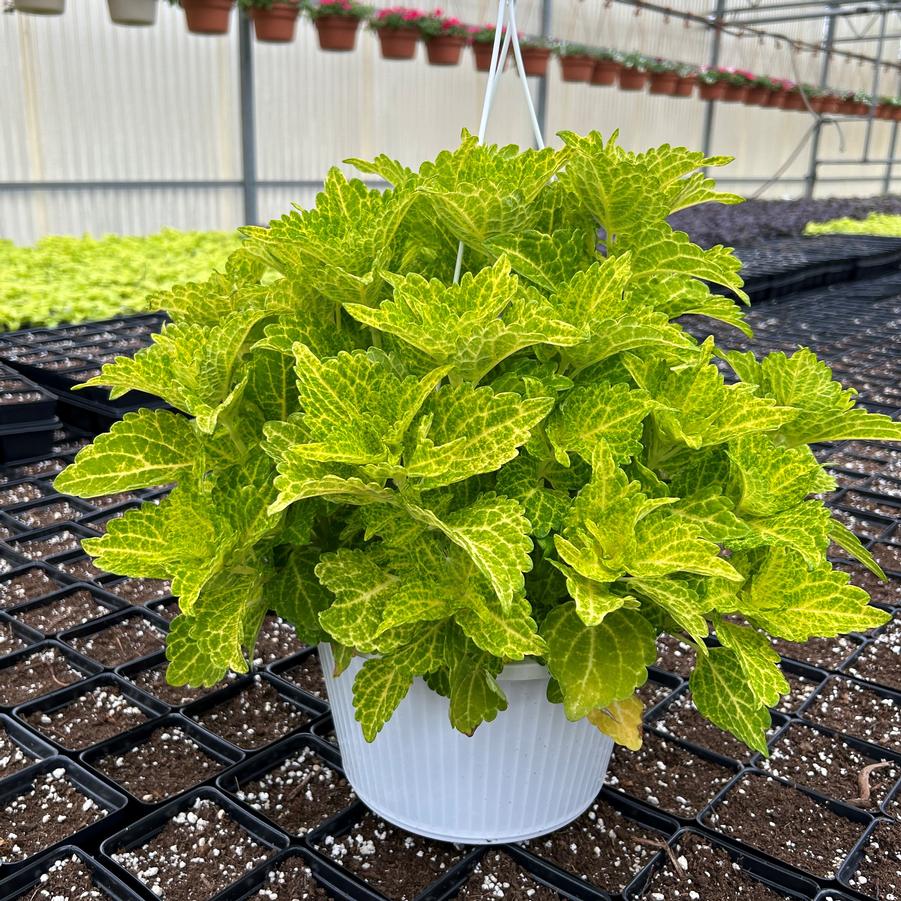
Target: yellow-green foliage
[[65, 279], [874, 224]]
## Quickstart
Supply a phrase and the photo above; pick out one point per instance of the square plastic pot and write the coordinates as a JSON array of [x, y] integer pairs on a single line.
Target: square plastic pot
[[108, 601], [82, 665]]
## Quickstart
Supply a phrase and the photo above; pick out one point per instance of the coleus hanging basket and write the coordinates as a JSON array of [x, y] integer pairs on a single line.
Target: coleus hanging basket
[[485, 498]]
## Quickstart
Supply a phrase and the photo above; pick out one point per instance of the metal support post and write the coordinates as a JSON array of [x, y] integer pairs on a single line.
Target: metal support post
[[810, 182], [874, 98], [547, 13], [707, 138], [893, 141], [248, 121]]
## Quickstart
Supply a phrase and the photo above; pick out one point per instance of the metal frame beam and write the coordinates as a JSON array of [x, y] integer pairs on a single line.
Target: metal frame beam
[[541, 105], [248, 120], [828, 38], [713, 59], [801, 4]]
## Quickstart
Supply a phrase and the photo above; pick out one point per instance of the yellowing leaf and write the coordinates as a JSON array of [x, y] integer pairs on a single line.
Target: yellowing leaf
[[621, 720]]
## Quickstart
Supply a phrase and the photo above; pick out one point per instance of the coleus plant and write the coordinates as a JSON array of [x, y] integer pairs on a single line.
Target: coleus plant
[[536, 461]]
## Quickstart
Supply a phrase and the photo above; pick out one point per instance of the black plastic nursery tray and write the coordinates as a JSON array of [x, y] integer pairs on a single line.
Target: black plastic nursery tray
[[67, 694]]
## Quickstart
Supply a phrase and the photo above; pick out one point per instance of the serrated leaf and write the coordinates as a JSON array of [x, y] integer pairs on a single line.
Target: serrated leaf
[[758, 661], [594, 600], [621, 721], [378, 689], [143, 449], [712, 514], [523, 480], [850, 544], [791, 600], [510, 635], [546, 260], [722, 694], [597, 665], [475, 697], [598, 411], [681, 601], [297, 596], [805, 528]]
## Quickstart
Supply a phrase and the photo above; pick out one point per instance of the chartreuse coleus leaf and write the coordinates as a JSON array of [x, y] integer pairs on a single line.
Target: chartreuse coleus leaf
[[471, 326], [143, 449], [624, 190], [676, 296], [296, 595], [681, 601], [758, 660], [219, 632], [597, 665], [824, 410], [621, 720], [378, 688], [850, 544], [697, 409], [526, 479], [791, 600], [722, 693], [547, 260], [482, 190], [340, 247]]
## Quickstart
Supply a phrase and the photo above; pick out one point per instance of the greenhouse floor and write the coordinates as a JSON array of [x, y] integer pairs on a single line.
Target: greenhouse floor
[[119, 786]]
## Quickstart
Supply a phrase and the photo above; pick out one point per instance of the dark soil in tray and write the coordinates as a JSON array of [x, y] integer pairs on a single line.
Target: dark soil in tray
[[299, 794], [800, 689], [66, 879], [35, 675], [168, 610], [139, 591], [46, 514], [307, 675], [82, 568], [829, 766], [9, 640], [682, 720], [787, 824], [277, 639], [888, 593], [48, 545], [50, 812], [675, 656], [652, 693], [888, 556], [291, 880], [21, 494], [153, 681], [825, 653], [111, 500], [167, 763], [667, 776], [90, 718], [26, 586], [199, 852], [858, 711], [701, 871], [62, 613], [12, 757], [868, 504], [255, 716], [602, 847], [397, 863], [41, 468], [125, 640], [878, 872], [880, 661], [497, 875]]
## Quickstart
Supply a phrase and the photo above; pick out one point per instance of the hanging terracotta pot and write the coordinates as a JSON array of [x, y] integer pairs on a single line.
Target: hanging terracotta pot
[[831, 104], [275, 24], [398, 43], [576, 68], [482, 51], [41, 7], [207, 16], [337, 32], [713, 91], [774, 98], [444, 49], [896, 114], [793, 100], [754, 96], [816, 104], [735, 93], [685, 84], [863, 109], [663, 83], [605, 71], [133, 12], [631, 79], [846, 107], [535, 60]]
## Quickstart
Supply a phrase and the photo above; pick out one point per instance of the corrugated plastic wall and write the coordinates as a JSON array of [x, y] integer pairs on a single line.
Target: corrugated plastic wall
[[83, 99]]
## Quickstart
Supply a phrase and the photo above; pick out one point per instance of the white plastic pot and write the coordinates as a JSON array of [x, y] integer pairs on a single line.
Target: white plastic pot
[[41, 7], [133, 12], [525, 774]]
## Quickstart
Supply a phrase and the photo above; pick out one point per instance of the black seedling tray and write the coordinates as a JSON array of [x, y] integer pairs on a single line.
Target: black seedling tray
[[221, 751], [18, 545], [24, 633], [27, 879], [152, 707], [34, 746], [109, 601], [270, 758], [128, 612], [850, 865], [80, 508], [79, 663], [838, 808], [277, 667], [777, 878], [40, 409], [18, 442], [87, 783], [145, 829]]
